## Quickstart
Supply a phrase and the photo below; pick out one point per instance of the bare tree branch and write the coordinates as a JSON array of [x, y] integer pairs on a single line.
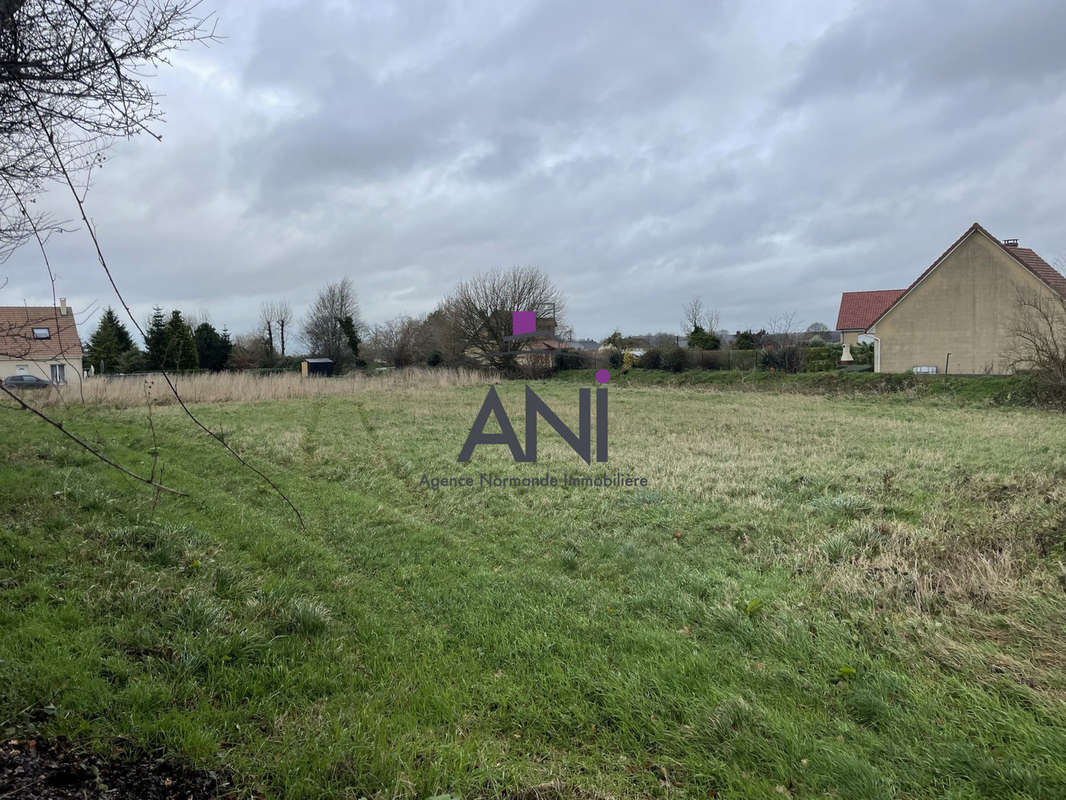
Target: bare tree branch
[[88, 447]]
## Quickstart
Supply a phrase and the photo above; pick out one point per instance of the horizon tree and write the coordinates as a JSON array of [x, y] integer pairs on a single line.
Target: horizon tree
[[212, 348], [324, 326], [109, 344], [479, 310]]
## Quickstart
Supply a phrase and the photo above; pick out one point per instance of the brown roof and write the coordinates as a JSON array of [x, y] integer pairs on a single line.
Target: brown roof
[[858, 310], [1023, 255], [16, 333]]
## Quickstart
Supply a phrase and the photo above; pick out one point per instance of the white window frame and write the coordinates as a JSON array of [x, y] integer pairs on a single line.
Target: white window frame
[[59, 373]]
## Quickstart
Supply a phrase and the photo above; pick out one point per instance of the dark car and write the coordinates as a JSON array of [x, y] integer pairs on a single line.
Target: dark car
[[26, 382]]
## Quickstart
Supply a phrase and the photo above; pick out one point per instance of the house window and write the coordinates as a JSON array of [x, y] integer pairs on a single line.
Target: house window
[[42, 333], [59, 373]]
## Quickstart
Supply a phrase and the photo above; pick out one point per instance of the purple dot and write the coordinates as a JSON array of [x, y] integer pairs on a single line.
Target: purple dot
[[602, 376]]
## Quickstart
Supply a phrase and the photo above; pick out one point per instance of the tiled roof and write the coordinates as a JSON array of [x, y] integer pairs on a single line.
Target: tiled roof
[[18, 342], [858, 310], [1039, 267]]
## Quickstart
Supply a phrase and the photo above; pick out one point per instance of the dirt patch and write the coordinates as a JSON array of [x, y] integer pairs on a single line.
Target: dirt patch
[[36, 770]]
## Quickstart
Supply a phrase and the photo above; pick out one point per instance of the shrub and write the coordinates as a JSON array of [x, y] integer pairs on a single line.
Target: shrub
[[570, 359], [789, 358], [700, 339], [708, 359], [748, 340], [741, 359], [674, 359], [614, 360], [822, 359], [652, 359], [434, 359], [863, 353]]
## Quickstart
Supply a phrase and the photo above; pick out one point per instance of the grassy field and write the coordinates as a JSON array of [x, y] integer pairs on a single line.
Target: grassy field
[[813, 597]]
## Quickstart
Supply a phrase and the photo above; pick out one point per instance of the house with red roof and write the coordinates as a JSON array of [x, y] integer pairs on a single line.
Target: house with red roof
[[41, 341], [957, 316]]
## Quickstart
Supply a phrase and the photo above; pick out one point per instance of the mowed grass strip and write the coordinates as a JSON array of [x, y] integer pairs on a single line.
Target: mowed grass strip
[[812, 597]]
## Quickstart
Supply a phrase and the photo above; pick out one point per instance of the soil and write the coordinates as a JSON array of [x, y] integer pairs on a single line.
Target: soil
[[32, 769]]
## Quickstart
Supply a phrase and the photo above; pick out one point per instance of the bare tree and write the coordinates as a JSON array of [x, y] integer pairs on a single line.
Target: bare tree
[[697, 315], [282, 317], [1038, 339], [267, 316], [324, 327], [400, 342], [274, 317], [480, 312], [72, 79], [782, 328], [693, 315]]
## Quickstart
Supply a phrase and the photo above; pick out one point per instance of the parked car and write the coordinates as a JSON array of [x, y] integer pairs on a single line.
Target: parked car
[[26, 382]]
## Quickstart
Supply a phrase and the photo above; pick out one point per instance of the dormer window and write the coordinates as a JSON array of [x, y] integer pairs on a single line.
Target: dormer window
[[42, 333]]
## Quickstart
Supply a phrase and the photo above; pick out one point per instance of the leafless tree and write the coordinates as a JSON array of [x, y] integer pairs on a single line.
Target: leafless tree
[[267, 317], [323, 328], [400, 342], [282, 317], [480, 312], [73, 77], [1038, 339], [697, 315], [274, 317], [248, 352], [782, 328]]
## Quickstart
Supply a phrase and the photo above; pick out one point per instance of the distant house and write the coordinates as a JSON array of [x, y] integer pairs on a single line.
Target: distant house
[[41, 341], [957, 315]]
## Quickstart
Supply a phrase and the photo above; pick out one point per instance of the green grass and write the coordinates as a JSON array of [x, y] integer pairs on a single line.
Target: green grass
[[814, 597]]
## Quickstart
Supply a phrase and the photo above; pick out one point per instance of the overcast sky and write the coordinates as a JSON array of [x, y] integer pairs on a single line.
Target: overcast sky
[[640, 153]]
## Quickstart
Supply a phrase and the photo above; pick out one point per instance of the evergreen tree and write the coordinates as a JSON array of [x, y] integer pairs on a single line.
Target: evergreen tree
[[226, 348], [108, 344], [180, 347], [700, 339], [211, 347], [155, 339], [133, 360]]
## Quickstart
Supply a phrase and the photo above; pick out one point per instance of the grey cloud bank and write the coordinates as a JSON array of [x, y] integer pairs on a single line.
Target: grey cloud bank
[[764, 158]]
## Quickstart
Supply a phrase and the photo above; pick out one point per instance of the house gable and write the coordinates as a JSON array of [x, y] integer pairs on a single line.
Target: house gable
[[964, 305], [1023, 256]]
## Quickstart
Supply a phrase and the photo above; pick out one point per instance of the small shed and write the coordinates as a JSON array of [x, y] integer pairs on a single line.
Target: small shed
[[316, 367]]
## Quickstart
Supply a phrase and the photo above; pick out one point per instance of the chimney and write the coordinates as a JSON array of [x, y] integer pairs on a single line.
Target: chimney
[[62, 306], [1010, 242]]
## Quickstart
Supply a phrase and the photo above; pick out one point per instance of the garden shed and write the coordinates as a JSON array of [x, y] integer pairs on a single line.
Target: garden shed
[[317, 367]]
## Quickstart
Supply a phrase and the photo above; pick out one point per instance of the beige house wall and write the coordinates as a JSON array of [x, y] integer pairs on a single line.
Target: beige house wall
[[965, 307], [851, 338], [42, 369]]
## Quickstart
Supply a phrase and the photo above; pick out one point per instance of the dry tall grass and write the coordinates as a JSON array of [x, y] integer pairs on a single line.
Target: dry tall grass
[[246, 387]]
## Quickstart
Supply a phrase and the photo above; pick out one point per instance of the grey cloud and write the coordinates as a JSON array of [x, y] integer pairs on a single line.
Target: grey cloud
[[765, 158]]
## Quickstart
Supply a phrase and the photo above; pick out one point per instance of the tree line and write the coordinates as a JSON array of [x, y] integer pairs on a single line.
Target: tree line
[[472, 322]]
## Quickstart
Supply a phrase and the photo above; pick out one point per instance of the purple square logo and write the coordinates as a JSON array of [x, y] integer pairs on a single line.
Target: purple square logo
[[524, 322]]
